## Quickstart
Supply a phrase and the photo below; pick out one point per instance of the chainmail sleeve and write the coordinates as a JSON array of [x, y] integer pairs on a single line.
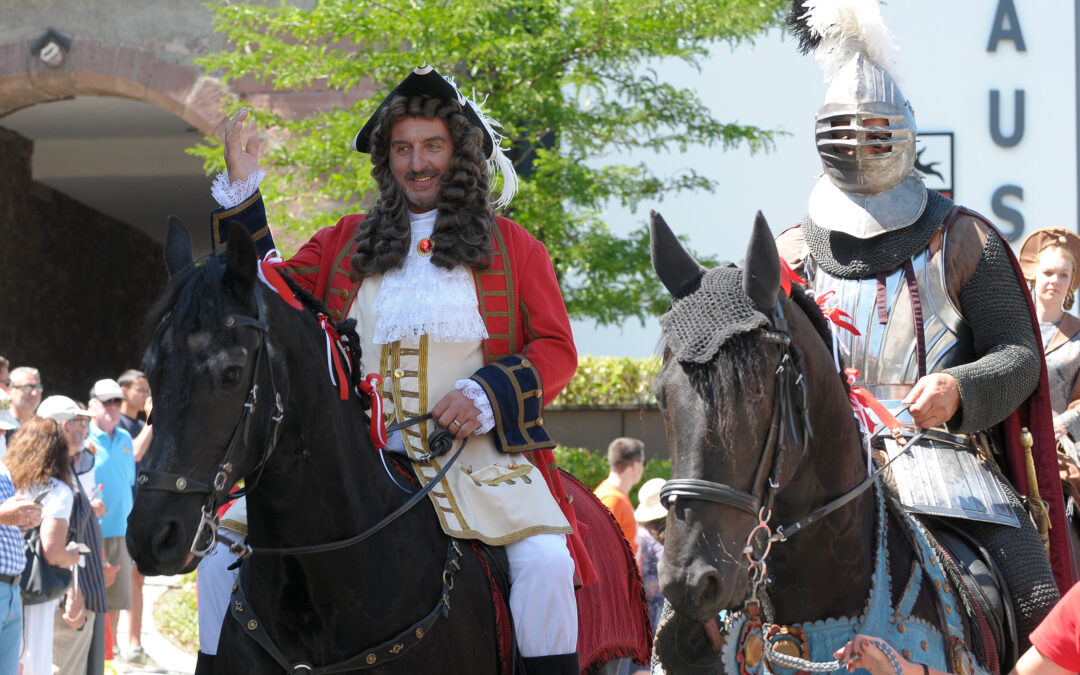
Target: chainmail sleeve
[[1007, 368]]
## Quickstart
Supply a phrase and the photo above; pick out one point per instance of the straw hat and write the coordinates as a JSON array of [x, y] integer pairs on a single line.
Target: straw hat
[[649, 506]]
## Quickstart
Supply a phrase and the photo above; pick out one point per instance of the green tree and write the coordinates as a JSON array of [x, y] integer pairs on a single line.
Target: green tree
[[572, 81]]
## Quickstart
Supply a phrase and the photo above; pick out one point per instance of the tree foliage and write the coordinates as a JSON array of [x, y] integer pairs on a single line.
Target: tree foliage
[[572, 81]]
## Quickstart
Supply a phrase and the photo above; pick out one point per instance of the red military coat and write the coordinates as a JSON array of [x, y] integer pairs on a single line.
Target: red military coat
[[529, 338]]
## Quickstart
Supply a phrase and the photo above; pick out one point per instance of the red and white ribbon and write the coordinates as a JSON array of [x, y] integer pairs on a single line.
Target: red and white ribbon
[[372, 386]]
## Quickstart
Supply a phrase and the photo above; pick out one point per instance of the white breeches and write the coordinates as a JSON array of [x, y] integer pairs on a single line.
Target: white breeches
[[214, 587], [542, 598]]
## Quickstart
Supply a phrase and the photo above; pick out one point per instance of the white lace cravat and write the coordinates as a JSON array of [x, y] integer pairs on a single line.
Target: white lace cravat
[[420, 298]]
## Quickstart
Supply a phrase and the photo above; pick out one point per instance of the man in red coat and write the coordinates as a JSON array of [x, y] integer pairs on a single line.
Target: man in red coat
[[461, 313]]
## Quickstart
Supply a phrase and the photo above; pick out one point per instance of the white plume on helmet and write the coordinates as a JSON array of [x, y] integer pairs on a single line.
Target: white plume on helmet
[[846, 27]]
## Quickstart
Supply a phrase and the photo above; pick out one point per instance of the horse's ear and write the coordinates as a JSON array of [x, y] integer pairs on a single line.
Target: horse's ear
[[677, 269], [243, 260], [761, 275], [177, 246]]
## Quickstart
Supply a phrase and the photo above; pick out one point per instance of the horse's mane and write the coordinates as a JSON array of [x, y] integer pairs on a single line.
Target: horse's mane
[[346, 328], [197, 298]]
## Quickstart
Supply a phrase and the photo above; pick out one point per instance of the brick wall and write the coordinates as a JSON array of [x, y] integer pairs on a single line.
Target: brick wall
[[75, 284]]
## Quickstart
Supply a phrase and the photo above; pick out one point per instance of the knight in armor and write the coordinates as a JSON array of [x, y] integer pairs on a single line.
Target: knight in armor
[[461, 314], [1048, 258], [945, 325]]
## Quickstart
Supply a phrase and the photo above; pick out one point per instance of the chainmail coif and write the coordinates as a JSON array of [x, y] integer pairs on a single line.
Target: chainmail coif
[[848, 257], [699, 323]]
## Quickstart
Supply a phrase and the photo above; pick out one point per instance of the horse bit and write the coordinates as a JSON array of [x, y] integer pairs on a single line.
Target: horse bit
[[151, 479]]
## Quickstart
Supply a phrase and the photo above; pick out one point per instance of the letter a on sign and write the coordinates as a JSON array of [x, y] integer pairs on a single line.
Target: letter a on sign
[[1006, 27]]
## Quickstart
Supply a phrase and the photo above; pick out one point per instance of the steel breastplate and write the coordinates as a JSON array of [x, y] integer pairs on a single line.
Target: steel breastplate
[[886, 354]]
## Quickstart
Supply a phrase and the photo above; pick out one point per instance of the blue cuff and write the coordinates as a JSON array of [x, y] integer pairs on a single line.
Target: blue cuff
[[516, 393], [249, 214]]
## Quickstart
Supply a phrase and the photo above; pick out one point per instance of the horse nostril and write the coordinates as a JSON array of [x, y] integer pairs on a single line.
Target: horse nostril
[[165, 543], [708, 589]]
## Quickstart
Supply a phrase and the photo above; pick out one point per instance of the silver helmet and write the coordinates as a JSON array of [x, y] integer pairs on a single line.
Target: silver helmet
[[857, 157], [865, 130]]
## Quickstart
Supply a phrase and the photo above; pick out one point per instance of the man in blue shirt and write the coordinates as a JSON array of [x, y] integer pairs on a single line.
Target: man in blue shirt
[[114, 468], [16, 513]]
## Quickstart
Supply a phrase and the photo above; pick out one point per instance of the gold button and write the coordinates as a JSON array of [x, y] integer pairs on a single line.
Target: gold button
[[906, 653], [525, 362], [948, 609], [540, 421], [370, 659], [399, 373], [253, 624], [900, 629]]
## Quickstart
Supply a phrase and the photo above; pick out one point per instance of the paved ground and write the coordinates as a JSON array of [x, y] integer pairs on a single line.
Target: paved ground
[[164, 657]]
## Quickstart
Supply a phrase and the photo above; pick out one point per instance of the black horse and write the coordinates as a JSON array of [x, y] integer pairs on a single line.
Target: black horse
[[761, 433], [241, 390]]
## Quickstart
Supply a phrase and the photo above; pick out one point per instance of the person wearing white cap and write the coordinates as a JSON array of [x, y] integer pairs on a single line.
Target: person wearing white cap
[[114, 467], [74, 630], [651, 516]]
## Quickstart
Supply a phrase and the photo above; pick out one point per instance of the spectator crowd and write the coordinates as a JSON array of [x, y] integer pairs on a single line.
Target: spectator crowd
[[67, 482]]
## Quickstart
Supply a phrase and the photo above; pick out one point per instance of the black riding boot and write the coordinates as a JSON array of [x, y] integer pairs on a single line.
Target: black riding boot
[[558, 664], [204, 665]]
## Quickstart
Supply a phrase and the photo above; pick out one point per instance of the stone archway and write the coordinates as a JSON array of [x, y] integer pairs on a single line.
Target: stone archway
[[93, 68], [77, 283]]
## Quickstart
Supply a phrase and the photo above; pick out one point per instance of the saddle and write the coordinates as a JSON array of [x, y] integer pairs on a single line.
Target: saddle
[[613, 621], [981, 589]]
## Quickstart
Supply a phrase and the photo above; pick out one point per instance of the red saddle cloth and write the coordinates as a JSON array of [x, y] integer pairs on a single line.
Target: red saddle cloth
[[613, 619]]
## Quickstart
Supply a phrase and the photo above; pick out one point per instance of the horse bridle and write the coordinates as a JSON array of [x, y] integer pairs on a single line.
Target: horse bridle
[[782, 429], [759, 501], [218, 488]]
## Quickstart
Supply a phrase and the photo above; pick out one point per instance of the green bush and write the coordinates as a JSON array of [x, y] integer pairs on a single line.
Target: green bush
[[177, 617], [591, 467], [610, 380]]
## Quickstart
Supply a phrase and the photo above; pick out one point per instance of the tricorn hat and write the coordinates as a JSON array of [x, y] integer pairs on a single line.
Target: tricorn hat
[[1040, 239], [426, 81]]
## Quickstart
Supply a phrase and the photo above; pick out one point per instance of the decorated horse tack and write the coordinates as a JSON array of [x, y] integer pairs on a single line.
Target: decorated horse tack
[[750, 451]]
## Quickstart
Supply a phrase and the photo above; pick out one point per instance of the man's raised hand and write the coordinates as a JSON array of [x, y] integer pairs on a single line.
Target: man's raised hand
[[241, 160]]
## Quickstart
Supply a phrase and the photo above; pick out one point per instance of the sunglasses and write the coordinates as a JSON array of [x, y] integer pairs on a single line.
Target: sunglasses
[[28, 388], [113, 401]]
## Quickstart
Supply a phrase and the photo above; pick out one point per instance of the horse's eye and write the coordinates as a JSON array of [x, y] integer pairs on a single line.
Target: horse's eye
[[231, 375]]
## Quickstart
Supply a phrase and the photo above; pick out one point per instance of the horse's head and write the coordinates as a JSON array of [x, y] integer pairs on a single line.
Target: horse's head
[[738, 355], [216, 385]]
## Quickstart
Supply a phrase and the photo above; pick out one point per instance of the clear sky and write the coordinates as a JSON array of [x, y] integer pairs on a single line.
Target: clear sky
[[948, 74]]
